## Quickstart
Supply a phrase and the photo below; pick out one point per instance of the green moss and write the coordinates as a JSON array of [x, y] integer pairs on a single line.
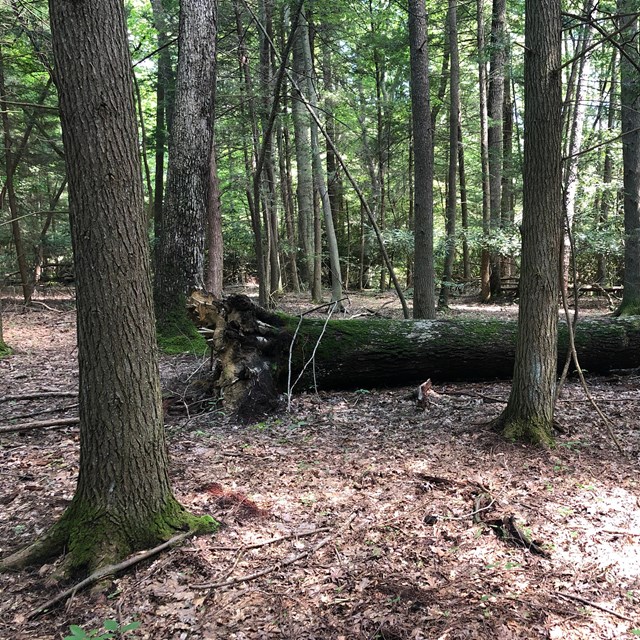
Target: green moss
[[93, 538], [628, 308], [176, 334], [532, 431], [5, 350]]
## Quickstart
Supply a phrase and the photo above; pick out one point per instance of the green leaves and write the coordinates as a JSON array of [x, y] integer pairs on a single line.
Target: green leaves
[[113, 630]]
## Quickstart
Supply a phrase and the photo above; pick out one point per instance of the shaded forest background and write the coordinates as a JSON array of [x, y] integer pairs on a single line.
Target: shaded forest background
[[359, 71]]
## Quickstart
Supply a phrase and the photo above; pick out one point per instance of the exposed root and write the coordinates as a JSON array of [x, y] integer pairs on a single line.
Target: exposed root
[[92, 539]]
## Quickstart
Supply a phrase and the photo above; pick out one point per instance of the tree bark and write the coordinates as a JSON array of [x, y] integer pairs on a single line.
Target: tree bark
[[454, 125], [123, 500], [180, 269], [424, 297], [302, 133], [495, 103], [253, 347], [485, 260], [529, 412], [630, 115], [27, 286]]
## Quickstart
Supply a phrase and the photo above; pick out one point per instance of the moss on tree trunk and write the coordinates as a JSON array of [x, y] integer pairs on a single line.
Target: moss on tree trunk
[[254, 350]]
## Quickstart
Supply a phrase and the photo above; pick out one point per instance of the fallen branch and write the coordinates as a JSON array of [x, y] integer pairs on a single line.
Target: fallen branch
[[275, 567], [292, 536], [38, 396], [41, 424], [595, 605], [67, 407], [264, 572], [109, 570]]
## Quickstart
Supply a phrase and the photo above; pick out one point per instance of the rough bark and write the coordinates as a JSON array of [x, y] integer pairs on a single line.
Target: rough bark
[[123, 500], [253, 348], [630, 115], [424, 297], [529, 412], [180, 268]]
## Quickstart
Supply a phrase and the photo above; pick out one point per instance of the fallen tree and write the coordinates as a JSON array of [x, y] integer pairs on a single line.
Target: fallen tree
[[261, 354]]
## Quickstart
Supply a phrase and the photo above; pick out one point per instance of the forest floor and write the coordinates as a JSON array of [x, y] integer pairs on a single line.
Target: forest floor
[[371, 518]]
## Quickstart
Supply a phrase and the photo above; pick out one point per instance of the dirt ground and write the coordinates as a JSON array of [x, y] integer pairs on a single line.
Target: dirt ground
[[368, 517]]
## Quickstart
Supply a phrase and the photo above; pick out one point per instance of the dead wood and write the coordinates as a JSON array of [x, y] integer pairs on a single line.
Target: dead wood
[[37, 396], [259, 351], [109, 570], [41, 424], [595, 605], [264, 572]]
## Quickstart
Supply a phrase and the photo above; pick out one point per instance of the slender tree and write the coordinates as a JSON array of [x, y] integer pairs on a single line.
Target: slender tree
[[302, 132], [123, 500], [180, 268], [485, 260], [630, 116], [528, 415], [10, 165], [495, 103], [454, 125], [424, 297]]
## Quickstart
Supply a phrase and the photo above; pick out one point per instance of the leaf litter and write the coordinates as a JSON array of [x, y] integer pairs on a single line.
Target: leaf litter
[[357, 515]]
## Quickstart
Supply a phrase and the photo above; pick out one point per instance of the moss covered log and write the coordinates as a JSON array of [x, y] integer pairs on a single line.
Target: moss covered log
[[253, 348]]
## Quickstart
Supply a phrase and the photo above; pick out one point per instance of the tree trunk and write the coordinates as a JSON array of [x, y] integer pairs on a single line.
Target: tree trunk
[[454, 125], [302, 132], [320, 182], [529, 412], [607, 199], [485, 260], [495, 104], [576, 116], [164, 116], [123, 500], [180, 269], [27, 287], [424, 297], [630, 112], [464, 208], [215, 249], [253, 346]]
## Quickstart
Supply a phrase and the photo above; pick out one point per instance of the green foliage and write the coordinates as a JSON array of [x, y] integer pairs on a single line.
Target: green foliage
[[113, 629], [5, 349]]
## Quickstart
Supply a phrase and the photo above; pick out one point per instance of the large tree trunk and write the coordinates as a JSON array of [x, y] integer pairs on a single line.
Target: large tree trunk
[[180, 268], [424, 296], [123, 500], [253, 347], [630, 115], [529, 413]]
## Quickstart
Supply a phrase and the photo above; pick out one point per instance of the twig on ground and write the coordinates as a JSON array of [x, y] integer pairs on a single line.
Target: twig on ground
[[46, 306], [264, 572], [275, 567], [109, 571], [595, 605], [38, 396], [41, 424], [50, 410], [264, 543]]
